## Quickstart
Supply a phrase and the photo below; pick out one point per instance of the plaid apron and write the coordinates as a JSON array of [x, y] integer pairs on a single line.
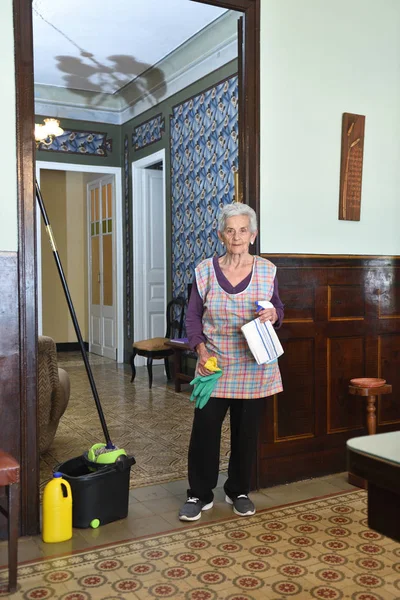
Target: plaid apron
[[223, 316]]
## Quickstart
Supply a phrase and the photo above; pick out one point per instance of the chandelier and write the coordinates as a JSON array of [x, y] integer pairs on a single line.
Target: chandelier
[[45, 134]]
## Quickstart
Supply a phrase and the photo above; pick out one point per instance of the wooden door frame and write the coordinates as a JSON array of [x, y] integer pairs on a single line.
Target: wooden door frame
[[23, 42], [249, 130]]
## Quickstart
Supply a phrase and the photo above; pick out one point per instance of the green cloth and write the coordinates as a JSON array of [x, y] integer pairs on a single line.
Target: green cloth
[[203, 387]]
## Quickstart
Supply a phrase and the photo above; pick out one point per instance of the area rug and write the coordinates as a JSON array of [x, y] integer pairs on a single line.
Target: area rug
[[319, 549]]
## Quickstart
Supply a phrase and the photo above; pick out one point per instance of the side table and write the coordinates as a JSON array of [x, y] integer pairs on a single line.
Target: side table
[[179, 348], [376, 459]]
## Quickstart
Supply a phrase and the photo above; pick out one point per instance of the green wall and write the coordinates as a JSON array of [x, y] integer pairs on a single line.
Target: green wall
[[112, 160], [8, 155]]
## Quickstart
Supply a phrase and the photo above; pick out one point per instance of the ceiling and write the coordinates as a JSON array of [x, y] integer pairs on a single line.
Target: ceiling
[[90, 46]]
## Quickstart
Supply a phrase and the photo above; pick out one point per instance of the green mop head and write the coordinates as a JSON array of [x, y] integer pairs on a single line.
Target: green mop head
[[99, 453]]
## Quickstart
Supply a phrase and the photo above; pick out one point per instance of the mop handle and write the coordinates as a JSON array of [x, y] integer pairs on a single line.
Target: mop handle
[[73, 316]]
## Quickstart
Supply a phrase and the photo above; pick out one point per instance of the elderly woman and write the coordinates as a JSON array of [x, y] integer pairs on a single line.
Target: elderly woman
[[223, 299]]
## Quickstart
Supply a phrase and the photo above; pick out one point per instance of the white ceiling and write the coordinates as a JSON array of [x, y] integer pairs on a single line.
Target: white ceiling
[[98, 45]]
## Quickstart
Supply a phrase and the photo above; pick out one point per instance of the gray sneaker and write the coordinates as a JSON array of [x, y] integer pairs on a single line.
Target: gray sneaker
[[191, 510], [242, 505]]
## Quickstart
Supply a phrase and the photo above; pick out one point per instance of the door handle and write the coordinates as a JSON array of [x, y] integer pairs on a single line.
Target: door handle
[[98, 278]]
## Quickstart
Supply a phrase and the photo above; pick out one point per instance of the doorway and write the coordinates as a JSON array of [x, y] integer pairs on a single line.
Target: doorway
[[25, 368], [114, 175], [149, 247]]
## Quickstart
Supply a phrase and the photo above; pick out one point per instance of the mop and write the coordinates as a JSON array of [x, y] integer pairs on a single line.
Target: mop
[[100, 453]]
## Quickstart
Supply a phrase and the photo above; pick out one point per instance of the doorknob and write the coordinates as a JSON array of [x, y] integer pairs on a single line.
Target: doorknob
[[98, 278]]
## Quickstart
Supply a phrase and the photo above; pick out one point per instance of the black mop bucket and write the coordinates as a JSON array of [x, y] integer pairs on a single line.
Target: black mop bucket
[[100, 493]]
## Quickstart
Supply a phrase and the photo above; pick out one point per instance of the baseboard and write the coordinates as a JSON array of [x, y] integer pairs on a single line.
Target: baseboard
[[70, 346]]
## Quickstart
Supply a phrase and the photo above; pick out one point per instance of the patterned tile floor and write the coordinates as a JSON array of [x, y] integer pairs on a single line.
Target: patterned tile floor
[[319, 548], [153, 425]]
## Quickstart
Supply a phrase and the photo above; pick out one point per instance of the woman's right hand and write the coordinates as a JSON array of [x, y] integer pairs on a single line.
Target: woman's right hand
[[203, 355]]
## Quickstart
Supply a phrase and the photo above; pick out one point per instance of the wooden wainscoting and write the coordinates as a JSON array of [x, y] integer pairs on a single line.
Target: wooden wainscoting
[[342, 320], [10, 407]]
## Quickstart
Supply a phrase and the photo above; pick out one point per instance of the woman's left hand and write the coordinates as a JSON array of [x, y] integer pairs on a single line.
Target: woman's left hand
[[267, 314]]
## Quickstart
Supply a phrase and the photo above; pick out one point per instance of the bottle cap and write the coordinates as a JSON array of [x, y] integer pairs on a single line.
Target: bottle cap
[[57, 474]]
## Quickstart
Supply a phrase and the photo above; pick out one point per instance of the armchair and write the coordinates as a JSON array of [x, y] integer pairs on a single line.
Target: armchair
[[53, 392]]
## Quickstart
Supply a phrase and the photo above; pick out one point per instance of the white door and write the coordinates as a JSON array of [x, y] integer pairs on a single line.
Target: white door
[[154, 253], [102, 267], [149, 261]]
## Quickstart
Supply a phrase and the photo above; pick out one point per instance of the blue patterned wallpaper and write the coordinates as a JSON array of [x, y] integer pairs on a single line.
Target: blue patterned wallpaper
[[148, 132], [80, 142], [204, 156], [127, 241]]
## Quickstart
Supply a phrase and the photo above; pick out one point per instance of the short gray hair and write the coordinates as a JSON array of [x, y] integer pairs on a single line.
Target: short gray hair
[[233, 210]]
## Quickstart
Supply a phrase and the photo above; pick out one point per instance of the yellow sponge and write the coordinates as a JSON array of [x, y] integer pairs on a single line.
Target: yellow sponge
[[211, 364]]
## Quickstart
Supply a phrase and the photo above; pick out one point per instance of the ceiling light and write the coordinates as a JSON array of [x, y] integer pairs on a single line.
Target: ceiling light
[[45, 134]]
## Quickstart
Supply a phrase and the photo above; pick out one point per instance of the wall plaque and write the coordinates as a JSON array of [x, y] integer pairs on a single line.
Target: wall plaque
[[351, 167]]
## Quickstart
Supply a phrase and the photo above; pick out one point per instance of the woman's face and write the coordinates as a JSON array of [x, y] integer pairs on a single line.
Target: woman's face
[[236, 235]]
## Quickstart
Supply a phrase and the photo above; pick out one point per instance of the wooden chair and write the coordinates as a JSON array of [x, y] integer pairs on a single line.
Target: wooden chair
[[9, 478], [156, 348]]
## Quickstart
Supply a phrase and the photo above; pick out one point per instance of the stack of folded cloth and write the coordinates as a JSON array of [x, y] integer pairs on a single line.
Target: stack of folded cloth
[[262, 339]]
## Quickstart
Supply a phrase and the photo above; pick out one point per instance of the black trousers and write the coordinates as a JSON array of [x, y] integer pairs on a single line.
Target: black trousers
[[205, 441]]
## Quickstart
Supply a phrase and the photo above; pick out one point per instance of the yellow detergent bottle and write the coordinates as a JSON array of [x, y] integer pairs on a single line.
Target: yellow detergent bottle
[[57, 510]]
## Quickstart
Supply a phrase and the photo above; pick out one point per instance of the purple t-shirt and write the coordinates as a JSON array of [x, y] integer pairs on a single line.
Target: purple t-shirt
[[194, 315]]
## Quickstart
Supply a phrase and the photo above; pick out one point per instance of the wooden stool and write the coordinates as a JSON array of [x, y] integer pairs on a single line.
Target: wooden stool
[[9, 478], [370, 393]]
